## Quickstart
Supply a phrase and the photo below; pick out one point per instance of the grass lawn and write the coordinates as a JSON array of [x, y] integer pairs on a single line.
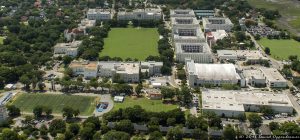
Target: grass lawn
[[131, 43], [1, 39], [289, 10], [26, 102], [281, 49], [149, 105]]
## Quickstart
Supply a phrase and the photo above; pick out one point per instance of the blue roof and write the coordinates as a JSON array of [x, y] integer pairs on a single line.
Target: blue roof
[[204, 11]]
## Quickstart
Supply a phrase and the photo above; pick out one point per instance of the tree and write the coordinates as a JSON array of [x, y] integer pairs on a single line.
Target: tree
[[229, 133], [266, 110], [13, 111], [68, 135], [156, 135], [267, 51], [167, 92], [138, 88], [57, 126], [38, 111], [68, 112], [74, 128], [86, 133], [41, 86], [8, 134], [175, 133], [48, 111], [171, 121], [290, 128], [24, 79], [240, 36], [125, 125], [97, 136], [257, 37], [185, 95], [274, 126], [93, 120], [116, 135], [67, 59], [255, 120]]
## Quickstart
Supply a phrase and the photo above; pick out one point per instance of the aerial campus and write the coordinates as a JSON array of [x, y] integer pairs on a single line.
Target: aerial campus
[[149, 69]]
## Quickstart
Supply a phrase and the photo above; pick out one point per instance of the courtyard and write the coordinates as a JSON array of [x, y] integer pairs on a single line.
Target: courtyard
[[134, 43]]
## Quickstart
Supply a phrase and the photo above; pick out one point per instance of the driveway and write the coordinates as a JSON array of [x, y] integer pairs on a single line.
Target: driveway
[[105, 98]]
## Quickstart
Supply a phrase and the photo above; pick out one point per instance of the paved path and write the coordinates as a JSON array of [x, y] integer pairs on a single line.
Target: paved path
[[105, 98]]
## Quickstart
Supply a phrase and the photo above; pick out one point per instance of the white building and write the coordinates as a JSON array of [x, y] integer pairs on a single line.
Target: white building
[[70, 49], [100, 14], [152, 67], [254, 77], [273, 78], [253, 56], [86, 23], [212, 74], [71, 34], [186, 30], [199, 52], [182, 13], [213, 37], [232, 103], [89, 69], [217, 23], [140, 14]]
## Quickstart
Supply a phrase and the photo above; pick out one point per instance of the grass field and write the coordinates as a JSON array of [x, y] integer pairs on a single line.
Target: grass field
[[281, 49], [26, 102], [289, 9], [1, 39], [131, 43], [149, 105]]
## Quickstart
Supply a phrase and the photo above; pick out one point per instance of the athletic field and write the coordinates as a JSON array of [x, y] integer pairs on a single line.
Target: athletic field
[[26, 102], [131, 43], [281, 49], [149, 105]]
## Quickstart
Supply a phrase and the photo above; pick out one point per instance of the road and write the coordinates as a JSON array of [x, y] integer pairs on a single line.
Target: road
[[171, 79], [274, 63]]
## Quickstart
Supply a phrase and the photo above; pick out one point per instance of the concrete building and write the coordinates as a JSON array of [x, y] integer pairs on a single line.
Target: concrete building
[[254, 77], [70, 49], [89, 69], [140, 14], [128, 72], [273, 78], [152, 67], [213, 37], [86, 23], [182, 13], [199, 52], [217, 23], [212, 74], [186, 30], [233, 103], [253, 56], [100, 14], [71, 34]]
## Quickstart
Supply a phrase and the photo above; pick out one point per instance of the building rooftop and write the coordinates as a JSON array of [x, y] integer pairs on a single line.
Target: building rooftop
[[120, 67], [99, 11], [73, 44], [213, 71], [256, 74], [219, 34], [272, 74], [151, 63], [247, 54], [184, 21], [216, 20], [192, 48], [89, 65], [86, 23], [235, 100], [182, 13]]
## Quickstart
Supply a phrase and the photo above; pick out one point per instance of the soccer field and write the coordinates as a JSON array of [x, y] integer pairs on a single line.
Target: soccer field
[[131, 43], [149, 105], [281, 49], [26, 102]]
